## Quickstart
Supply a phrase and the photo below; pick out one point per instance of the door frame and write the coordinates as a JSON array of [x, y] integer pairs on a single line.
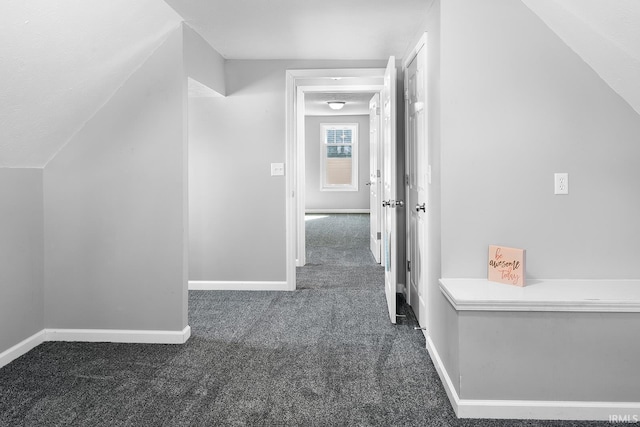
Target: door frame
[[299, 82], [375, 158], [390, 246], [421, 44]]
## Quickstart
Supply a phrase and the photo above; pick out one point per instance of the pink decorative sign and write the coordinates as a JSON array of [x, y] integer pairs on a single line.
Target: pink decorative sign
[[506, 265]]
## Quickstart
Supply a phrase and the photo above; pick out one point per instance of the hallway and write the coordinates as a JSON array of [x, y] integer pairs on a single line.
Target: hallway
[[325, 354]]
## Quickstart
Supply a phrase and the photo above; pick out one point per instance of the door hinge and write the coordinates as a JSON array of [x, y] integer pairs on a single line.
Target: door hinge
[[408, 265], [406, 180], [379, 236], [406, 95], [378, 173], [378, 111]]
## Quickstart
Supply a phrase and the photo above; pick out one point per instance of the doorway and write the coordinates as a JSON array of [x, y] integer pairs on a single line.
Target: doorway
[[338, 158], [300, 82]]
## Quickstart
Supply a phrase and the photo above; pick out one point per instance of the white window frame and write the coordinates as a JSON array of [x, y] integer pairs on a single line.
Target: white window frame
[[354, 157]]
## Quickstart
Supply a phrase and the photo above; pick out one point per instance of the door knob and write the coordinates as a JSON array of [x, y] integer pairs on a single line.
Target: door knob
[[386, 203], [398, 204], [368, 183], [421, 207]]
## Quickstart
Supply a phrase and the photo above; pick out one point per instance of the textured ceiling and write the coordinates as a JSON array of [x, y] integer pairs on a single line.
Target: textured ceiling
[[606, 34], [302, 29], [61, 61]]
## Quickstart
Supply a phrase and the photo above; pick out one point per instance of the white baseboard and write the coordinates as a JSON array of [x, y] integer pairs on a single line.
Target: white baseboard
[[117, 335], [196, 285], [23, 347], [530, 409], [452, 394], [337, 211], [93, 335]]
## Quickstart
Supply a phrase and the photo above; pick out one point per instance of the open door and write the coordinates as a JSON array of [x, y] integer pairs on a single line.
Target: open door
[[375, 177], [417, 184], [389, 190]]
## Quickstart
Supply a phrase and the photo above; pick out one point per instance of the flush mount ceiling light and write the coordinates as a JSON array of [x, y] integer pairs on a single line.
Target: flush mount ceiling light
[[336, 105]]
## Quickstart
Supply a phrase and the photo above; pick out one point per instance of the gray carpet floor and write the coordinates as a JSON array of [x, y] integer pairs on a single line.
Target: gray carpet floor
[[325, 355]]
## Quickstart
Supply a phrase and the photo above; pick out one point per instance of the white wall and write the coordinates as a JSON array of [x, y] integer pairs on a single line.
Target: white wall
[[237, 210], [517, 105], [114, 208], [21, 255], [314, 197]]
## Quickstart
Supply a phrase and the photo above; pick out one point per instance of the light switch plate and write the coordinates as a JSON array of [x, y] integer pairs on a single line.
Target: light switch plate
[[277, 169]]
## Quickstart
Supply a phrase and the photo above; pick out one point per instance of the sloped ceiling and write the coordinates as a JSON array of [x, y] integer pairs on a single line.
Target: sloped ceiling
[[61, 61], [606, 34], [301, 29]]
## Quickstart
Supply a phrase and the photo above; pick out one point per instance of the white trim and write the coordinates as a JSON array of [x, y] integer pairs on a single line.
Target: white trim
[[119, 335], [204, 285], [301, 176], [565, 295], [93, 335], [449, 388], [23, 347], [291, 207], [545, 410], [323, 74], [527, 409], [414, 51], [337, 211]]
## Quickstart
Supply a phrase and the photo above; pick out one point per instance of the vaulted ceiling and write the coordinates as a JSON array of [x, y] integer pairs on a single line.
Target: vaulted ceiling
[[63, 59], [606, 34]]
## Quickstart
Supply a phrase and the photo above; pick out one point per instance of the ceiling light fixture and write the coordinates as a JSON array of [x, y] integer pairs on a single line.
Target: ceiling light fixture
[[336, 105]]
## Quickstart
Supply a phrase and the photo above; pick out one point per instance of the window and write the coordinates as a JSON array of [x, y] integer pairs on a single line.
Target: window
[[339, 157]]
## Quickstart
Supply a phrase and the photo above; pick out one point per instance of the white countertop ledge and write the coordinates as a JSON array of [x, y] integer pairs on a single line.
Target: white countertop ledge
[[612, 296]]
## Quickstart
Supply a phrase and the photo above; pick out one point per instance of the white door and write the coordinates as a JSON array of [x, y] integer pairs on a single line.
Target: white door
[[375, 178], [389, 203], [417, 171]]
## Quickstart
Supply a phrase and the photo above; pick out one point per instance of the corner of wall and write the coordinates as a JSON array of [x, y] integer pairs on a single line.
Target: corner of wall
[[21, 255], [202, 62]]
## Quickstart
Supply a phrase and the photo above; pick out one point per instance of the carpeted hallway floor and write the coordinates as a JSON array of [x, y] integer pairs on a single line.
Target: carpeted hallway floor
[[324, 355]]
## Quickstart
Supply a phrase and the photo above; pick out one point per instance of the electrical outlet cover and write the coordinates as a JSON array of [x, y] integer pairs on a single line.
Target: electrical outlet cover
[[561, 183]]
